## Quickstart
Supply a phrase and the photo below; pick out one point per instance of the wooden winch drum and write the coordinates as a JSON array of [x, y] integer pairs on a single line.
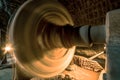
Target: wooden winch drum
[[30, 54]]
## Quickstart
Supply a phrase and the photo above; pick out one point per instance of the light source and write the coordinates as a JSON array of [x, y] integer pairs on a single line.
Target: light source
[[7, 48]]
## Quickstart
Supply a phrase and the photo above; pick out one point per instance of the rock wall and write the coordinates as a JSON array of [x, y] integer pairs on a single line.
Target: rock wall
[[92, 12]]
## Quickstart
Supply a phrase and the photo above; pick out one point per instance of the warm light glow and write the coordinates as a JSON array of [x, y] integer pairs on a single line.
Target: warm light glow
[[105, 48], [8, 48]]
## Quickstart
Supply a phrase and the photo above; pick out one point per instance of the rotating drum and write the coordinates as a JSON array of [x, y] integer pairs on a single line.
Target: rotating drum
[[26, 29]]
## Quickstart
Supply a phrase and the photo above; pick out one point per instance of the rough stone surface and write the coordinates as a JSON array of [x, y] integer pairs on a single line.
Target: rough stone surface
[[113, 45], [92, 12], [87, 64], [6, 74]]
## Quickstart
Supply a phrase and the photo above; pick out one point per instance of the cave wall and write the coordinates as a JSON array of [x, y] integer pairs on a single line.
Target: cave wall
[[90, 12]]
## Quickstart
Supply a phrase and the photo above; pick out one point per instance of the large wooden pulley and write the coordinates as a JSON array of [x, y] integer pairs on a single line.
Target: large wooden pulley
[[27, 33]]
